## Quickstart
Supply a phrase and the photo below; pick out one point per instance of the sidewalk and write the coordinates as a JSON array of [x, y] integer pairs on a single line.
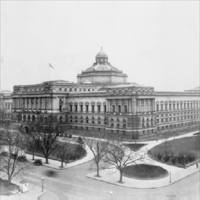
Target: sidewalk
[[174, 173], [32, 194], [56, 164]]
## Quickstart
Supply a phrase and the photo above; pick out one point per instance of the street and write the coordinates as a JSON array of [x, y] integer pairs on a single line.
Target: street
[[72, 184]]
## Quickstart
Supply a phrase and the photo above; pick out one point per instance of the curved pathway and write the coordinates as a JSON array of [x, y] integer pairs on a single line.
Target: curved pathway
[[174, 173]]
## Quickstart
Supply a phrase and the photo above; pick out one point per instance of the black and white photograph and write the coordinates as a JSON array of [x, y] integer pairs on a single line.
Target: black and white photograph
[[99, 100]]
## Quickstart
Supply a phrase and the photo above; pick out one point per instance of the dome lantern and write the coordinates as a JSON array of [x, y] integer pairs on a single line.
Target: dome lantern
[[101, 57]]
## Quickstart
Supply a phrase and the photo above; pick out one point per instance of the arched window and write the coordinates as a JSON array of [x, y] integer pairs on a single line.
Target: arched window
[[60, 119]]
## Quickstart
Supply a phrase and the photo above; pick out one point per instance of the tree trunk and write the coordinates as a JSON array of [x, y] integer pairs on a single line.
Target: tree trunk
[[62, 164], [121, 176], [33, 155], [47, 160], [98, 170], [9, 179]]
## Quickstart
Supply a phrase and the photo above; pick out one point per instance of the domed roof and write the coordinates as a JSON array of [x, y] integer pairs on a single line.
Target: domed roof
[[102, 64], [102, 72], [101, 67]]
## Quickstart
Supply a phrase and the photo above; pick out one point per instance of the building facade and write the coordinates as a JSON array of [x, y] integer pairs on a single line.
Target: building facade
[[103, 101], [5, 106]]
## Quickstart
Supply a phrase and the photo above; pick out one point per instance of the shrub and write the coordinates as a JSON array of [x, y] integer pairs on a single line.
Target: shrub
[[159, 156], [22, 159], [4, 153], [174, 160], [80, 140], [135, 136], [78, 152], [38, 162], [166, 157], [191, 158]]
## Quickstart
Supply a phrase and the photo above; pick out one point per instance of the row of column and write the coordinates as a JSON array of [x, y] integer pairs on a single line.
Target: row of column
[[33, 103], [177, 105], [145, 105]]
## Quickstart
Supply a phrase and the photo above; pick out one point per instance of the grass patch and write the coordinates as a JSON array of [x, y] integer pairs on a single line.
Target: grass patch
[[170, 151], [135, 146], [76, 152], [144, 171], [7, 188]]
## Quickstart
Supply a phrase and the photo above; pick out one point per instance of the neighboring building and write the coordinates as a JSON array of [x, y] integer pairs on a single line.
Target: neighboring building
[[5, 106], [103, 101]]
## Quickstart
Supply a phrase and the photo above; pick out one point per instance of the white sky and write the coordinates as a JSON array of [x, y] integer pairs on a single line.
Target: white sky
[[155, 43]]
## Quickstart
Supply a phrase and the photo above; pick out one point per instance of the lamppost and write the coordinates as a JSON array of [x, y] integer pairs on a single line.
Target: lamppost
[[42, 181], [110, 195], [170, 177]]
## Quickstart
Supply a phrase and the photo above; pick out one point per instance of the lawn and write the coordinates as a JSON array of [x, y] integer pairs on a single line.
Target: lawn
[[144, 171], [76, 152], [134, 146], [6, 188], [184, 146]]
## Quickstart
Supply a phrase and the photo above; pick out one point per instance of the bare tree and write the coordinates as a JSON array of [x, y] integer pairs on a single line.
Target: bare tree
[[32, 138], [9, 162], [120, 157], [99, 150], [44, 136], [48, 134], [64, 152]]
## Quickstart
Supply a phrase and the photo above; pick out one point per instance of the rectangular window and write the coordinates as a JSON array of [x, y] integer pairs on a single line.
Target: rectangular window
[[93, 108], [119, 109], [70, 108], [125, 108], [104, 108], [113, 108], [87, 108], [81, 108], [76, 108], [99, 108]]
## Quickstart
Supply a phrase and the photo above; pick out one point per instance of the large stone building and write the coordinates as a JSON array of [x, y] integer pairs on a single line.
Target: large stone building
[[103, 101], [5, 106]]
